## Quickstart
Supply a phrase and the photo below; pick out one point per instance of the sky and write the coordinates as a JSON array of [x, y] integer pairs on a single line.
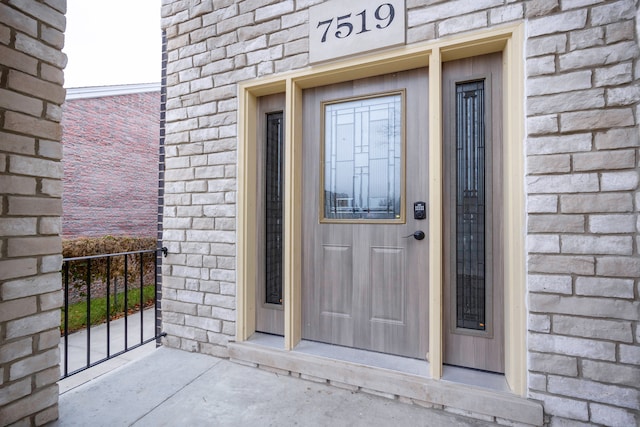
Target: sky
[[112, 42]]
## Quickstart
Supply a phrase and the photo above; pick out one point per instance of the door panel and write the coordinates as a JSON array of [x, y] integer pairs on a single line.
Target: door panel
[[365, 284], [337, 290], [473, 249], [269, 248], [387, 303]]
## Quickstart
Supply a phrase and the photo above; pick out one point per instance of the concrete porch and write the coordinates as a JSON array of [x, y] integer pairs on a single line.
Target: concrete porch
[[169, 387]]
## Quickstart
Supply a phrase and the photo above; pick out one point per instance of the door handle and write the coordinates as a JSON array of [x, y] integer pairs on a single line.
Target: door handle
[[418, 235]]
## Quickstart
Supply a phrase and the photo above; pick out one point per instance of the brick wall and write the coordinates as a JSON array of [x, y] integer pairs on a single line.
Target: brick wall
[[31, 95], [582, 178], [110, 146]]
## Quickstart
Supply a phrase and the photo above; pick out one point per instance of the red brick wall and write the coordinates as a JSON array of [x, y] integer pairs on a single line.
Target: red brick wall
[[110, 152]]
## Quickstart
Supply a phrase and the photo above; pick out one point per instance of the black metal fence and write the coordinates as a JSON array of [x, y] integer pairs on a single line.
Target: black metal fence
[[111, 295]]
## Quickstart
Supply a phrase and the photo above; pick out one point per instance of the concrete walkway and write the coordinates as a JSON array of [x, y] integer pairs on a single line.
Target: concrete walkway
[[169, 387]]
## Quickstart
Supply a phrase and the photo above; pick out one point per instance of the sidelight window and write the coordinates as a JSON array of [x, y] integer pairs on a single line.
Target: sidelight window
[[274, 191], [470, 205]]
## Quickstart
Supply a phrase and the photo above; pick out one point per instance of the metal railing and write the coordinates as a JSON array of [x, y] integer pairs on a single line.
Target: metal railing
[[108, 278]]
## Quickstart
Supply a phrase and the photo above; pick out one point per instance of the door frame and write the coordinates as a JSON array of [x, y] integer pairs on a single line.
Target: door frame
[[510, 41]]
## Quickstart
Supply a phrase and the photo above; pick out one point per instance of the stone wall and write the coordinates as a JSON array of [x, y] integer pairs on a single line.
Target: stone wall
[[582, 178], [31, 95], [583, 201], [110, 146]]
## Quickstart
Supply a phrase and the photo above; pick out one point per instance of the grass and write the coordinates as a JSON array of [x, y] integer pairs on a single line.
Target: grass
[[78, 311]]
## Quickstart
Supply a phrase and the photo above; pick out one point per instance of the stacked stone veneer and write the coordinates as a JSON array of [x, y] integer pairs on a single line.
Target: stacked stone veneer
[[582, 192], [31, 95], [582, 93]]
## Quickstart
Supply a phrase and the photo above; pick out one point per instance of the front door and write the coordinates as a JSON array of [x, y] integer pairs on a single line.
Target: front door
[[365, 171]]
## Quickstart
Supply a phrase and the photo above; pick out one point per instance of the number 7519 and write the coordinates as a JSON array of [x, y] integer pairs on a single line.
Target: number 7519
[[383, 15]]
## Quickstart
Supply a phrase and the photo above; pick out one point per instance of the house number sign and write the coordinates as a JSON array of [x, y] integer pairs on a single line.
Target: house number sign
[[339, 28]]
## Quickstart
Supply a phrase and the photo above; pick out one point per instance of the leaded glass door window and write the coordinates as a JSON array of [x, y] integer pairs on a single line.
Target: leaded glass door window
[[470, 205], [274, 191], [363, 159]]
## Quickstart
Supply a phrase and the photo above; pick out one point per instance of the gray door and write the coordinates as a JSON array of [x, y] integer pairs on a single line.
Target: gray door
[[473, 180], [270, 196], [365, 283]]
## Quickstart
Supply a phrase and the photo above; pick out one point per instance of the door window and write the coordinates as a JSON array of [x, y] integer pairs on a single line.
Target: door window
[[362, 162]]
